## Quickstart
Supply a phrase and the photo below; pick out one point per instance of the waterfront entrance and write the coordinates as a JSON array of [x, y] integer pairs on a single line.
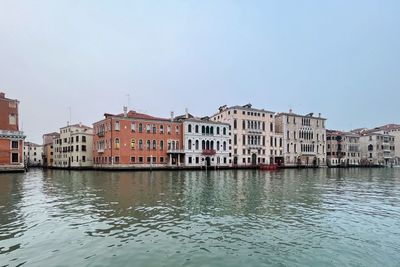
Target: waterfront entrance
[[254, 159], [208, 161]]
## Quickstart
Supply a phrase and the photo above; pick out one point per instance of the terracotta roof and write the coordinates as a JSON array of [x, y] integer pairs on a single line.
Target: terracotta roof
[[136, 115]]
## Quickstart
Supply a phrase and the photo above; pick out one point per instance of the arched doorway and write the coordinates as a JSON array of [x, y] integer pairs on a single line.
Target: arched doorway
[[235, 160], [208, 161], [254, 159]]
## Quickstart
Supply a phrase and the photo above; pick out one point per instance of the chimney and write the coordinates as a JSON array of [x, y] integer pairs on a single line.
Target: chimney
[[2, 95], [80, 124], [186, 113], [290, 111], [172, 115], [319, 115], [125, 111]]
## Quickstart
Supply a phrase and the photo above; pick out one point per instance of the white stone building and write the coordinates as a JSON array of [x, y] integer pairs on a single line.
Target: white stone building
[[343, 148], [304, 139], [33, 154], [206, 142], [251, 132], [74, 147], [377, 148]]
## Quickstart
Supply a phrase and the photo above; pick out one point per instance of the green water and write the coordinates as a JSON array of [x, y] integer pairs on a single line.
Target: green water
[[246, 218]]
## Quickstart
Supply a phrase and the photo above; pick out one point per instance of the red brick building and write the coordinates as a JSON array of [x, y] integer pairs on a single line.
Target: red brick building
[[136, 140], [11, 139]]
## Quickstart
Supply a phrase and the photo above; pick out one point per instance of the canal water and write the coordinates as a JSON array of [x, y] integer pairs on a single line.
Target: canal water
[[324, 217]]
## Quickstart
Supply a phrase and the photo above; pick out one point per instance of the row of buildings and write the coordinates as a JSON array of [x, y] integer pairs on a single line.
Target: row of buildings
[[236, 136]]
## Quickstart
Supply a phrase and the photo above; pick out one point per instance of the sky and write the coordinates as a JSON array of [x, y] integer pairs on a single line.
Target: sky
[[338, 58]]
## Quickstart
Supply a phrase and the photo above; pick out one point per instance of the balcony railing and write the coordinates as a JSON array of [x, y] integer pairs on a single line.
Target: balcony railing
[[15, 134], [100, 150], [209, 152], [175, 151], [100, 134]]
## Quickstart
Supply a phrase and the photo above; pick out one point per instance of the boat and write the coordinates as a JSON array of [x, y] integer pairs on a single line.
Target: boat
[[269, 167]]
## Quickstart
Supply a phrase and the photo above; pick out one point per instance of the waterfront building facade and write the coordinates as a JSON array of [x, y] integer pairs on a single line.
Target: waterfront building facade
[[11, 138], [33, 154], [206, 142], [73, 149], [48, 154], [304, 139], [136, 140], [251, 130], [343, 148], [394, 131], [377, 148]]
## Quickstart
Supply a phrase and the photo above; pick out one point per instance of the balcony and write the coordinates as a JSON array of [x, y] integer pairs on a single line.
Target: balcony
[[12, 134], [209, 152], [100, 134], [100, 150], [175, 151]]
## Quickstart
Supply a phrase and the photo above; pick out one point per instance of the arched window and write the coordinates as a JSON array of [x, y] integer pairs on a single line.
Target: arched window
[[196, 128], [140, 127], [203, 129], [161, 145], [218, 145], [148, 144], [370, 148], [140, 144], [154, 144], [207, 130], [234, 124], [271, 127], [217, 130], [203, 145], [197, 144], [207, 144], [189, 128], [224, 146], [212, 130], [224, 131], [116, 143], [189, 144], [212, 145]]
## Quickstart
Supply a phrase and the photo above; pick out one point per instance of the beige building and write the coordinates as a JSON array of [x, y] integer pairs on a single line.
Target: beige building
[[394, 131], [48, 149], [304, 139], [377, 147], [74, 147], [251, 131], [343, 148]]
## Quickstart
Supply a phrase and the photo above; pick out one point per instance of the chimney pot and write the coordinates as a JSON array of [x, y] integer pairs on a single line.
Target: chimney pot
[[2, 95]]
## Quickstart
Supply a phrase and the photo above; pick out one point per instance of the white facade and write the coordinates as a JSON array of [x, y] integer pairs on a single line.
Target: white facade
[[33, 154], [251, 132], [74, 148], [304, 139], [206, 143]]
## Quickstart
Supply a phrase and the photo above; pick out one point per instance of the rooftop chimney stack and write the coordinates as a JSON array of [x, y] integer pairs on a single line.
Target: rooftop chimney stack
[[319, 115], [2, 95], [125, 111], [290, 111], [172, 115], [186, 113]]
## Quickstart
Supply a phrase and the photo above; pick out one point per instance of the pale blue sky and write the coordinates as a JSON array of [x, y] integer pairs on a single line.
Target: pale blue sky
[[340, 58]]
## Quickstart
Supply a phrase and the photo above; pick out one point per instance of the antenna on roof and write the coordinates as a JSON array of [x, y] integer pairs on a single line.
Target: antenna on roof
[[70, 113]]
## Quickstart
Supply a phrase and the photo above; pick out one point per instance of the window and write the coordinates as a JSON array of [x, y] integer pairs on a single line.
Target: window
[[161, 145], [148, 128], [148, 159], [117, 160], [189, 128], [196, 129], [161, 129], [116, 143], [154, 144], [117, 128], [197, 144], [189, 144], [133, 143], [133, 159], [14, 144], [154, 129], [169, 129], [12, 119], [140, 127], [190, 160], [140, 144], [84, 148], [140, 159], [83, 158], [234, 124], [14, 158], [177, 129], [218, 130], [234, 139], [133, 126], [161, 159], [76, 139], [83, 139], [77, 148], [148, 144], [224, 131]]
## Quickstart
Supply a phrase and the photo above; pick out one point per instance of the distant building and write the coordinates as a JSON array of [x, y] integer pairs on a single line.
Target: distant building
[[33, 154], [48, 153], [206, 142], [343, 148], [11, 138], [251, 130], [137, 140], [74, 147], [304, 139], [377, 146]]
